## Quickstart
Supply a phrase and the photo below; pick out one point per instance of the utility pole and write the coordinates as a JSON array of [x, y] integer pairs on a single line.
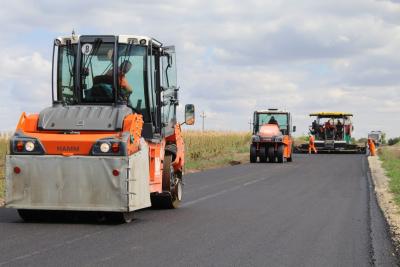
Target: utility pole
[[251, 125], [203, 116]]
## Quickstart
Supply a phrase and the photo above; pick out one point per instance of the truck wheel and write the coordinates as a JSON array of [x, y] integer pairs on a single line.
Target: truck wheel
[[171, 149], [263, 154], [271, 154], [171, 196], [279, 154], [253, 153]]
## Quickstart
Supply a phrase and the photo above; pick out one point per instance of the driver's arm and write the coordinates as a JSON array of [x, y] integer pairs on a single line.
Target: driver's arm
[[125, 85]]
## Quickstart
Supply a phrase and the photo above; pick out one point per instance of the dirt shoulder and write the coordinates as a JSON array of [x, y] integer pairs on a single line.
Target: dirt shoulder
[[218, 162], [385, 198]]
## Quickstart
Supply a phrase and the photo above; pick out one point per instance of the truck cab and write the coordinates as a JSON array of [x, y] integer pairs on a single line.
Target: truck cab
[[376, 136]]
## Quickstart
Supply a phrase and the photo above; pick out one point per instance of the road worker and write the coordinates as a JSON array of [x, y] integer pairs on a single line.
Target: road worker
[[348, 128], [329, 129], [371, 146], [311, 144], [339, 130], [314, 127]]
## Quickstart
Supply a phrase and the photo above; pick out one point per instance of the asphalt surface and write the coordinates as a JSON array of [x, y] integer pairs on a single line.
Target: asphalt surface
[[316, 211]]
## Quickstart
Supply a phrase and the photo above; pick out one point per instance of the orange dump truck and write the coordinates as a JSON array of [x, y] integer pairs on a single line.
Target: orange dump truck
[[110, 142], [272, 136]]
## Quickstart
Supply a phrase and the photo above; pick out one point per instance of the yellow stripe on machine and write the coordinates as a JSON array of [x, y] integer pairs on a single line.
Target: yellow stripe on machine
[[329, 114]]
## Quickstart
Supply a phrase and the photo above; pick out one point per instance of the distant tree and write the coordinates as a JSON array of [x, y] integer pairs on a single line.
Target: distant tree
[[393, 141]]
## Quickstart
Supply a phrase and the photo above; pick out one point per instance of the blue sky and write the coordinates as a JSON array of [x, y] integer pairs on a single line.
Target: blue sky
[[234, 56]]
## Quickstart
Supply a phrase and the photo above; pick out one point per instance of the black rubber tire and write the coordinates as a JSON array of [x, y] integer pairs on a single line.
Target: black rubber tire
[[253, 153], [171, 149], [262, 154], [279, 154], [271, 154], [172, 187]]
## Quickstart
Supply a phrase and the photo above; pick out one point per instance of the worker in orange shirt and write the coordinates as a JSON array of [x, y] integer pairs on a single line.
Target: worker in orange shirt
[[371, 146], [311, 144], [126, 88]]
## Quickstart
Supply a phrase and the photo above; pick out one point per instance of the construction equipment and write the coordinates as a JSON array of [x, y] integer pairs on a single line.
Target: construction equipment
[[110, 142], [272, 136], [332, 132], [376, 136]]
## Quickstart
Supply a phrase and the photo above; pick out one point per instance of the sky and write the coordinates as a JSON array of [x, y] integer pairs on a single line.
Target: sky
[[234, 57]]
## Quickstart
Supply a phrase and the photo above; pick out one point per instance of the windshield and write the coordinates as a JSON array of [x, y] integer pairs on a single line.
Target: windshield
[[264, 118], [97, 72], [373, 136]]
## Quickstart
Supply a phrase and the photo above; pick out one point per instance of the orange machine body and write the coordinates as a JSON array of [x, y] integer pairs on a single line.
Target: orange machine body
[[272, 139], [267, 134], [81, 143]]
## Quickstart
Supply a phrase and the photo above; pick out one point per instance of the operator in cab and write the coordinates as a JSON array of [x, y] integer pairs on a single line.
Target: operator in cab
[[126, 88], [273, 121]]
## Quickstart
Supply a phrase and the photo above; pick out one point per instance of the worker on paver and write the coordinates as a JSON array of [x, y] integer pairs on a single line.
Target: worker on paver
[[371, 146], [339, 130], [348, 128], [311, 144]]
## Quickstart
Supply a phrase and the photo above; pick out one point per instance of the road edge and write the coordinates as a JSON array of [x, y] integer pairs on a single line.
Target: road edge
[[383, 242]]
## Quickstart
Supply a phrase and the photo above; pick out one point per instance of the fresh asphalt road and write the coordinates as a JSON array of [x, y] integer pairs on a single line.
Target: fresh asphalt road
[[316, 211]]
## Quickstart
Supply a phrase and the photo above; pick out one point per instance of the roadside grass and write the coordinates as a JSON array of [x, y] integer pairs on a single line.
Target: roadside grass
[[213, 149], [390, 156], [3, 152]]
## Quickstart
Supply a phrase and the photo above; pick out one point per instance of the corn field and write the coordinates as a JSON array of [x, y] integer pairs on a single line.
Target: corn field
[[3, 152], [209, 145]]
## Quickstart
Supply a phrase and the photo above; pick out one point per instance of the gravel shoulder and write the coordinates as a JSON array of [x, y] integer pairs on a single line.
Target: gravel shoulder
[[385, 199]]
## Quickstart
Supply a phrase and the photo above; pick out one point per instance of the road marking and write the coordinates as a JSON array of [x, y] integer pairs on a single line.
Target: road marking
[[234, 188], [253, 182]]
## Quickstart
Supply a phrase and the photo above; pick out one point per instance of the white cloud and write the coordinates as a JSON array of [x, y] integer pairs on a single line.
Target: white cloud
[[233, 56]]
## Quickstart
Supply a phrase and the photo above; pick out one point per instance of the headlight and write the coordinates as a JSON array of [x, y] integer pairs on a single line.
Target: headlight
[[256, 138], [109, 147], [29, 146], [105, 147], [24, 145]]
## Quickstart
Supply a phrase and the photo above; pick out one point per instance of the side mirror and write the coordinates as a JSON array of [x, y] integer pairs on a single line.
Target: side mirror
[[189, 114], [294, 128]]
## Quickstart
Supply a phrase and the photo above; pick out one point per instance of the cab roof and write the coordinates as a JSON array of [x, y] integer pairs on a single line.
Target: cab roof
[[331, 114], [122, 38], [273, 111]]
